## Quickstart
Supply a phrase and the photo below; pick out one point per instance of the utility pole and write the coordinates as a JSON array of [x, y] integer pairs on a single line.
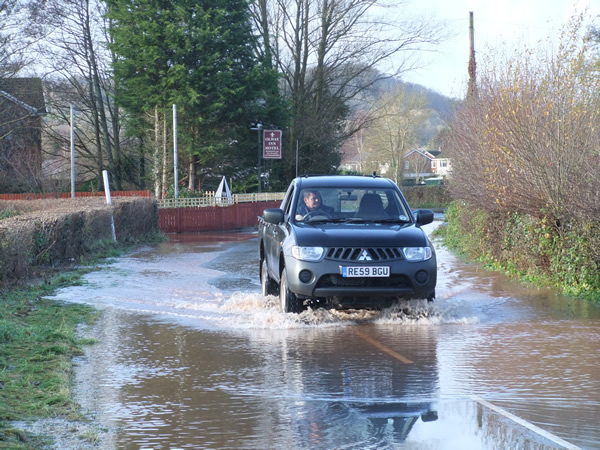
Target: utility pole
[[258, 128], [175, 170], [472, 90], [72, 155]]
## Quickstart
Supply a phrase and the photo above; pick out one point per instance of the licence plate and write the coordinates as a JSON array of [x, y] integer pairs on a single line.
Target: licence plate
[[366, 271]]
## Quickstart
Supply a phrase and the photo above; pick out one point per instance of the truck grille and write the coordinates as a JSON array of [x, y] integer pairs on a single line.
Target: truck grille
[[360, 253]]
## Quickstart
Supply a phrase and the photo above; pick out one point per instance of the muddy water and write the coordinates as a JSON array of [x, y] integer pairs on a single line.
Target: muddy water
[[190, 355]]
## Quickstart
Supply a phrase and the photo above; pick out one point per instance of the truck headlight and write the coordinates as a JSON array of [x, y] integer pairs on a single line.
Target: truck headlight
[[417, 253], [307, 253]]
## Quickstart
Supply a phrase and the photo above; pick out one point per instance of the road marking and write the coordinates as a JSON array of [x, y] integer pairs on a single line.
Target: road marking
[[383, 348], [545, 434]]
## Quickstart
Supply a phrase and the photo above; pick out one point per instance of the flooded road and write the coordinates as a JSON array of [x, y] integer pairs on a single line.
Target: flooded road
[[190, 355]]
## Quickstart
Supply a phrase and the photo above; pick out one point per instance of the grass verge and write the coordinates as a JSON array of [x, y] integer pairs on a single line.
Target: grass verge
[[38, 340]]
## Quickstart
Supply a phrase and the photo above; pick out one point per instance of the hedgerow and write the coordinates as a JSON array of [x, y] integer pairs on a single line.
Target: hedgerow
[[50, 233], [525, 154], [565, 257]]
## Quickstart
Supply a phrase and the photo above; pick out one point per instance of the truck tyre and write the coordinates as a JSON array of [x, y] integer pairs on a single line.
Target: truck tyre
[[267, 285], [288, 300]]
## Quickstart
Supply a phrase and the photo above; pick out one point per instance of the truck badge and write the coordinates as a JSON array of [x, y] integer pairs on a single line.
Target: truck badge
[[364, 256]]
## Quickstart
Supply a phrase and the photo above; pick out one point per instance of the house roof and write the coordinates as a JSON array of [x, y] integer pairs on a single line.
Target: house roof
[[422, 152], [26, 92]]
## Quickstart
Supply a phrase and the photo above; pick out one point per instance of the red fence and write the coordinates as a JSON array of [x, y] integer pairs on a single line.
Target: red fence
[[47, 195], [212, 218], [179, 220]]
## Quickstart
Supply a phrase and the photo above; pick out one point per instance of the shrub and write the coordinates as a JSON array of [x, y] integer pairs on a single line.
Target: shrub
[[529, 142], [565, 256]]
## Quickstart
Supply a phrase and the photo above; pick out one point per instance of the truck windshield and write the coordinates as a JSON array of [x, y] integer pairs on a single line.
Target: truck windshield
[[339, 204]]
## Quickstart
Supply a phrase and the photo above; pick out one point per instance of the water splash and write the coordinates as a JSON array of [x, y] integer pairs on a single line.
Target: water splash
[[243, 310]]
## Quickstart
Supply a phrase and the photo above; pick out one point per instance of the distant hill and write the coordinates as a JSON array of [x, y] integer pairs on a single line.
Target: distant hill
[[443, 105]]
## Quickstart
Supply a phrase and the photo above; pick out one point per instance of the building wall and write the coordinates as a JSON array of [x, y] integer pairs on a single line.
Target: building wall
[[20, 148]]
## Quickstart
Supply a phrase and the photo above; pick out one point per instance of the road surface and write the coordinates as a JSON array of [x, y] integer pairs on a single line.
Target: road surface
[[190, 355]]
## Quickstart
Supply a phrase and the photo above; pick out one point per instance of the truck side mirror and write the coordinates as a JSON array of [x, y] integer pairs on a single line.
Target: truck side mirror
[[273, 215], [423, 216]]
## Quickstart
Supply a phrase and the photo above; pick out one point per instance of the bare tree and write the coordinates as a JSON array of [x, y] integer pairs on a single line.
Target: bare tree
[[328, 52], [394, 131], [19, 30], [77, 53], [529, 142]]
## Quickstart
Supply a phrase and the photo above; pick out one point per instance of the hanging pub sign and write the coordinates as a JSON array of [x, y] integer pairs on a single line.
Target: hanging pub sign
[[272, 144]]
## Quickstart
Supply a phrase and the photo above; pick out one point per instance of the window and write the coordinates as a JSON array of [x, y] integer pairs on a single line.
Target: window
[[343, 203], [287, 201]]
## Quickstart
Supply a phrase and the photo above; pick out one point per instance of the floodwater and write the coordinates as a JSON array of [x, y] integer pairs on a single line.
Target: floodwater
[[190, 355]]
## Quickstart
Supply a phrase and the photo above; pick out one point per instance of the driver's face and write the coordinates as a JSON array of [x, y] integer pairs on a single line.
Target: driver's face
[[312, 201]]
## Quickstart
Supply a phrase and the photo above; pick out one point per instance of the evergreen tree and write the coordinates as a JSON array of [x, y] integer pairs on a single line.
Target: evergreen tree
[[200, 56]]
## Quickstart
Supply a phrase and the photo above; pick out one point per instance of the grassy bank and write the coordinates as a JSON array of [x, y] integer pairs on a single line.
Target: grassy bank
[[563, 256], [38, 339], [40, 243]]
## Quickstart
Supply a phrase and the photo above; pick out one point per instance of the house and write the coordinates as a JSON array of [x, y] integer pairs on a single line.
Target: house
[[441, 166], [420, 164], [22, 107]]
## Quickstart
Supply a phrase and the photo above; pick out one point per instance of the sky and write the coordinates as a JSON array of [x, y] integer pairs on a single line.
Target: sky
[[507, 24]]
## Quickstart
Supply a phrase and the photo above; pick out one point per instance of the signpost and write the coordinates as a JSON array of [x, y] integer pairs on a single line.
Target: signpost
[[272, 144]]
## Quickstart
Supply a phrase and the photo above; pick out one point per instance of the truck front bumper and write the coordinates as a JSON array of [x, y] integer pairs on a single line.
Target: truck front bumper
[[324, 279]]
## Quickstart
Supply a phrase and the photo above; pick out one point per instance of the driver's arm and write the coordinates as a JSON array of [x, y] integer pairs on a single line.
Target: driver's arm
[[301, 212]]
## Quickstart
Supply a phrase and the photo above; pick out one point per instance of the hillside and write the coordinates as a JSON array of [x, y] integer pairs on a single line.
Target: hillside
[[440, 107]]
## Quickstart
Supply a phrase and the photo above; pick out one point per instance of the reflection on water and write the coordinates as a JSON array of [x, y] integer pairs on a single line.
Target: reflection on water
[[167, 385], [211, 363]]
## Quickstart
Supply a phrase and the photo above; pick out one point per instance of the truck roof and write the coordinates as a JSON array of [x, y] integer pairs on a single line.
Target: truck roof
[[322, 181]]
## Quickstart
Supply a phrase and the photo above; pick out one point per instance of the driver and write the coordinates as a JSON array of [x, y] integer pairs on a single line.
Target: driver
[[312, 205]]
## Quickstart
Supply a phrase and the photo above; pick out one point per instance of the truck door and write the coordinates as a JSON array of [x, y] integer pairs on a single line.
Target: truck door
[[276, 233]]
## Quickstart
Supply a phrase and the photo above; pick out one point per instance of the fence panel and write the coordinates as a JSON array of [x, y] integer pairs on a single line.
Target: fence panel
[[210, 200], [212, 218]]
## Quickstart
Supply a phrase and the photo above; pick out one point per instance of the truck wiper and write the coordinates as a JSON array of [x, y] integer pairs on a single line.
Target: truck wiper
[[358, 220], [327, 220], [393, 221], [375, 220], [354, 220]]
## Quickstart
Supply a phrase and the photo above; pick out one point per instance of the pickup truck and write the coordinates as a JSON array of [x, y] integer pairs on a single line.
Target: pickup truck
[[345, 242]]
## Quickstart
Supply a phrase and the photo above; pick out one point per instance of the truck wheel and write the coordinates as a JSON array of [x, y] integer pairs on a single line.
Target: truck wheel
[[431, 296], [288, 300], [266, 283]]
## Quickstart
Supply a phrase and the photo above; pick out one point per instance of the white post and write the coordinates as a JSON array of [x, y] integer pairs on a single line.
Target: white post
[[175, 178], [109, 202], [72, 156]]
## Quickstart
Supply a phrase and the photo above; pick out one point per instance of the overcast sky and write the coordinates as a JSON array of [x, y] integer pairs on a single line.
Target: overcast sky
[[508, 23]]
